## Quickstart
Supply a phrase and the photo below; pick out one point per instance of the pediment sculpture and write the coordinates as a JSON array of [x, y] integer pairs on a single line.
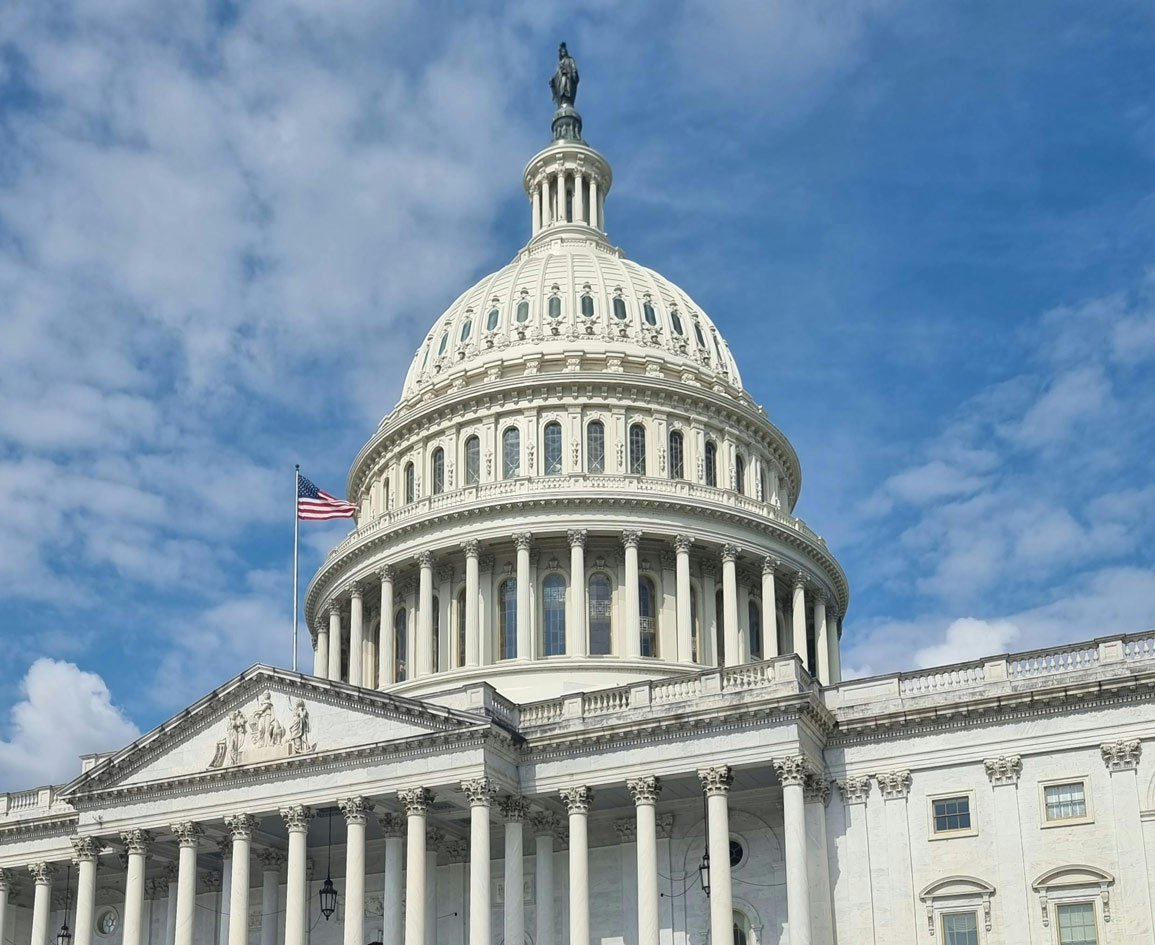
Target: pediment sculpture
[[262, 736]]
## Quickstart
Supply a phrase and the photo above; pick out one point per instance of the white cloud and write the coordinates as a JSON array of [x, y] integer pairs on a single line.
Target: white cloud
[[967, 639], [65, 712]]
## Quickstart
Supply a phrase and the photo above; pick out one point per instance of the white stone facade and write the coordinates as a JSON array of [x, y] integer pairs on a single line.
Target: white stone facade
[[577, 641]]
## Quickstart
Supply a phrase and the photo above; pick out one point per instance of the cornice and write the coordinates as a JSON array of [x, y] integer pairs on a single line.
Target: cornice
[[51, 825]]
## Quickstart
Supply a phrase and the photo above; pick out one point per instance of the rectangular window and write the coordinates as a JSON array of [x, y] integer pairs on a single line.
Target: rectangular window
[[952, 813], [1076, 922], [960, 928], [1066, 801]]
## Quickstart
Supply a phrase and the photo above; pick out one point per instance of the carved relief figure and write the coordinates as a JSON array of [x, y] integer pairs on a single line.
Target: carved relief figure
[[261, 736], [236, 735], [299, 743], [263, 726]]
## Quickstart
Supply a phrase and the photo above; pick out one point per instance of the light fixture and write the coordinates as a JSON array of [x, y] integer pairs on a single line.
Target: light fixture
[[64, 936], [704, 873], [328, 893]]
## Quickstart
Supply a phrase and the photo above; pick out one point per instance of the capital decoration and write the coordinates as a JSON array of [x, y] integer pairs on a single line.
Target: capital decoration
[[523, 540], [799, 580], [472, 548], [155, 888], [683, 543], [480, 791], [770, 564], [187, 833], [1005, 769], [577, 799], [425, 560], [893, 785], [627, 830], [1121, 755], [85, 849], [577, 537], [665, 825], [631, 537], [224, 847], [817, 788], [729, 552], [7, 877], [434, 838], [392, 825], [211, 880], [717, 780], [792, 770], [855, 790], [170, 872], [514, 809], [416, 801], [457, 850], [137, 841], [42, 873], [385, 572], [645, 790], [355, 809], [334, 607], [297, 817], [545, 823], [271, 858], [241, 826]]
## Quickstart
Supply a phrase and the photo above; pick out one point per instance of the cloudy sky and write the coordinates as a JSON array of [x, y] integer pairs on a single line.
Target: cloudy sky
[[928, 230]]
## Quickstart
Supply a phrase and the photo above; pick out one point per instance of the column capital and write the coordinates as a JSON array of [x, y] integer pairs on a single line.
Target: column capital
[[855, 790], [211, 880], [545, 823], [523, 540], [683, 543], [392, 825], [42, 873], [224, 847], [577, 537], [241, 826], [665, 825], [457, 850], [85, 849], [472, 548], [716, 780], [627, 830], [385, 572], [1005, 769], [334, 607], [188, 833], [355, 809], [645, 790], [416, 800], [425, 560], [271, 859], [7, 877], [297, 817], [816, 788], [770, 564], [800, 580], [514, 809], [729, 552], [577, 799], [792, 770], [1121, 755], [355, 589], [434, 838], [137, 841], [893, 785], [480, 791], [631, 537], [170, 872]]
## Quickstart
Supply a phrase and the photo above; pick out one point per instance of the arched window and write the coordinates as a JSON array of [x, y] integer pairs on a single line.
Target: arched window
[[595, 447], [649, 314], [711, 463], [438, 471], [619, 308], [600, 602], [763, 494], [410, 484], [466, 330], [588, 306], [507, 619], [552, 437], [436, 633], [694, 623], [461, 628], [719, 628], [755, 623], [472, 461], [522, 312], [511, 453], [698, 334], [718, 348], [739, 474], [676, 321], [492, 319], [386, 493], [554, 307], [401, 642], [637, 450], [553, 614], [647, 617], [677, 464], [443, 343]]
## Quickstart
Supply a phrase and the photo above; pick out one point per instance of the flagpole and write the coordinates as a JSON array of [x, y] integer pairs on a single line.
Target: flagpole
[[296, 530]]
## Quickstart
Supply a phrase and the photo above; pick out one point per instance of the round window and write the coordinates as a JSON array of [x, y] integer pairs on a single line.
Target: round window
[[107, 921], [737, 853]]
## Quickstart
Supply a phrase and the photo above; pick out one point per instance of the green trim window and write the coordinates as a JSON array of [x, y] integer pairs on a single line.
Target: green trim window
[[554, 307], [466, 330]]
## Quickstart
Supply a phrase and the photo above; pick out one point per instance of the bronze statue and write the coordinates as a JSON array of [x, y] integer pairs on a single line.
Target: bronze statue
[[564, 82]]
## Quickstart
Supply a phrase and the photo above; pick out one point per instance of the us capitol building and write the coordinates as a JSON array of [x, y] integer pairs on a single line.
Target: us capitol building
[[577, 682]]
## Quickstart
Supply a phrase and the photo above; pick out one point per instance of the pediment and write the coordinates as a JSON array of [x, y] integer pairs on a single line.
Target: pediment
[[267, 717]]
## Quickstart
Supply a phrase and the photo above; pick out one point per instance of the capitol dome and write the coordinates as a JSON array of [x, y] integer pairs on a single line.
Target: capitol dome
[[574, 490]]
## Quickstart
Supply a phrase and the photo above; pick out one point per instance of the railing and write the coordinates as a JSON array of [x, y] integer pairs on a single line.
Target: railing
[[604, 701], [542, 713], [1052, 662], [750, 676], [678, 689], [24, 800], [961, 678], [1139, 647]]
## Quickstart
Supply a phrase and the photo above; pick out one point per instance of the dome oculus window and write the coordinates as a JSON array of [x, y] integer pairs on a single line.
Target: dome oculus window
[[443, 343], [619, 308], [522, 312], [553, 448], [554, 307], [637, 450], [511, 453], [649, 314], [472, 461], [595, 447], [492, 319], [466, 330], [587, 305]]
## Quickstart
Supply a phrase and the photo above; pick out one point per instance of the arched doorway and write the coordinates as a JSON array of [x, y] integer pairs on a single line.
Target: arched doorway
[[741, 929]]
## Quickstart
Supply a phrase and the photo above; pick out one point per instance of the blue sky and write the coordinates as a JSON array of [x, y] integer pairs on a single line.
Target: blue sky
[[927, 230]]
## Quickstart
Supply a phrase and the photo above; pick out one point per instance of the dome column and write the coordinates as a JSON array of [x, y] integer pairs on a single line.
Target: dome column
[[535, 201], [424, 656], [579, 212], [821, 642], [334, 660], [356, 635], [386, 638], [769, 609], [731, 656], [524, 541], [472, 551], [575, 642], [682, 545], [633, 648], [799, 620], [321, 651]]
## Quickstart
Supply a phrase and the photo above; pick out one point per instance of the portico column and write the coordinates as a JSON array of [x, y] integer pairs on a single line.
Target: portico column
[[334, 666], [169, 871], [241, 827], [416, 801], [524, 623], [42, 874], [321, 651], [297, 823], [480, 793], [633, 647], [682, 545], [472, 550], [799, 620], [821, 645], [716, 783], [356, 635], [645, 793], [355, 809], [386, 639], [271, 863], [577, 801], [424, 655], [792, 772], [769, 609], [84, 853], [514, 810], [225, 846], [188, 835], [136, 846], [393, 826], [6, 879], [731, 656], [575, 634], [434, 839], [544, 826]]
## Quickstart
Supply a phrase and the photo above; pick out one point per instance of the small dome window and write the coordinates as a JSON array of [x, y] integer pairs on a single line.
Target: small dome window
[[466, 329], [554, 307], [443, 344], [588, 306], [492, 319], [619, 307], [718, 348], [425, 360], [649, 314], [698, 334], [523, 311], [677, 321]]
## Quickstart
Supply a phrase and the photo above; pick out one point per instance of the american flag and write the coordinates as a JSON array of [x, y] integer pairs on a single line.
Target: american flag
[[316, 506]]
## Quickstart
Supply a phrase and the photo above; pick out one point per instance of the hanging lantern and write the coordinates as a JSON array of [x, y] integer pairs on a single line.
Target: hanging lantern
[[328, 893], [704, 873], [64, 936]]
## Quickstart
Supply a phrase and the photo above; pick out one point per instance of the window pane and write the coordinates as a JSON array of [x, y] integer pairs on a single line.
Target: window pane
[[409, 483], [472, 461], [553, 449], [649, 314], [466, 329], [698, 334], [507, 619], [400, 641], [553, 613], [619, 308], [677, 465], [587, 306], [596, 447], [523, 311], [461, 628], [960, 928], [601, 639], [637, 450], [1066, 801], [511, 453], [438, 471], [491, 319], [647, 617], [677, 322], [952, 813], [554, 307], [436, 633], [740, 475], [1077, 924], [755, 622], [443, 344], [711, 463], [694, 623]]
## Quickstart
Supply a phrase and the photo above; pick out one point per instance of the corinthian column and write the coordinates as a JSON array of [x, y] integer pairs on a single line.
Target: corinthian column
[[792, 773], [6, 878], [514, 809], [297, 823], [424, 655], [633, 648], [188, 835], [85, 850], [355, 809], [801, 646], [769, 609], [393, 826], [416, 801], [480, 793], [241, 827], [544, 826], [42, 874], [335, 640], [321, 651], [472, 549], [682, 544], [577, 801], [356, 635], [271, 863], [386, 640], [645, 793], [575, 634], [716, 783], [524, 617], [730, 605], [821, 646], [136, 845]]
